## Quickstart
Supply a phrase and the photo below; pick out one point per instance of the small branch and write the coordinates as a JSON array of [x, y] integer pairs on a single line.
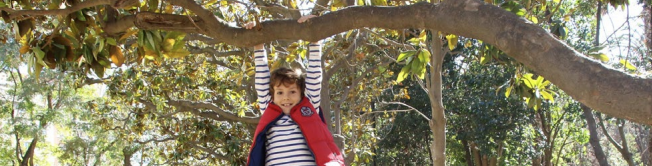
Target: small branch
[[611, 139], [207, 40], [209, 151], [213, 107], [403, 104], [156, 140]]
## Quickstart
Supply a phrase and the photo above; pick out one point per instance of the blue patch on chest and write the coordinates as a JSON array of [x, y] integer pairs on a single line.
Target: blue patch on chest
[[306, 111]]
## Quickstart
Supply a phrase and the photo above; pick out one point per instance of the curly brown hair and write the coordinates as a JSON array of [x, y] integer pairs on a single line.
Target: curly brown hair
[[287, 77]]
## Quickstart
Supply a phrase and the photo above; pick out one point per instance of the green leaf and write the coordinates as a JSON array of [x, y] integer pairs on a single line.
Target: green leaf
[[424, 56], [381, 69], [485, 58], [416, 66], [100, 47], [530, 102], [80, 16], [403, 74], [39, 55], [546, 95], [508, 91], [539, 81], [241, 113], [111, 41], [533, 19], [404, 55], [545, 83], [604, 57], [596, 49], [150, 44], [38, 52], [141, 38], [627, 64], [452, 41], [422, 73], [528, 82], [2, 4]]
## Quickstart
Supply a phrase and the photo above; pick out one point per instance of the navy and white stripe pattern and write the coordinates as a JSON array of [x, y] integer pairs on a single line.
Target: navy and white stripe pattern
[[286, 144]]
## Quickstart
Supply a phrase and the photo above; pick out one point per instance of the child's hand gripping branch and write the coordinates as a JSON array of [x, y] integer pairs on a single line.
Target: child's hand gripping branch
[[290, 131]]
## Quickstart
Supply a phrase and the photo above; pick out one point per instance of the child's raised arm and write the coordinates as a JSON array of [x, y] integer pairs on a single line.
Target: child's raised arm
[[314, 73], [262, 74]]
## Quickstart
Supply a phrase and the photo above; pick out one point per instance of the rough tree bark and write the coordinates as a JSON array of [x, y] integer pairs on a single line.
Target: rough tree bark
[[594, 140], [600, 87], [438, 120]]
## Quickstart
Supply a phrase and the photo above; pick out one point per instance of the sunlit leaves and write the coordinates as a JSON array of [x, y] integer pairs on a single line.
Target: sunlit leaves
[[533, 89], [627, 65], [596, 52], [416, 62], [156, 46], [117, 57], [405, 55], [452, 41], [514, 7]]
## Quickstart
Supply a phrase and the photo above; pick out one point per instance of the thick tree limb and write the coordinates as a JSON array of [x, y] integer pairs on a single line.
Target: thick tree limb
[[597, 86], [602, 88]]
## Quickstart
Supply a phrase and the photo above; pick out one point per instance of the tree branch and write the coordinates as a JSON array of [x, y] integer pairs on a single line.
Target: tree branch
[[525, 42], [403, 104], [15, 14], [606, 133], [212, 107], [209, 151]]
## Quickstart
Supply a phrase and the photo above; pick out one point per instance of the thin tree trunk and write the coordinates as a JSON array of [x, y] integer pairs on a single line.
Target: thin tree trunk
[[625, 146], [438, 121], [467, 152], [499, 152], [476, 155], [594, 140], [546, 128], [649, 147], [127, 153], [641, 142], [623, 151], [647, 22], [28, 158]]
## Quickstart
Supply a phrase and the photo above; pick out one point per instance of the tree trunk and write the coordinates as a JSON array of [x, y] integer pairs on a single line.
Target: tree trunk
[[594, 140], [467, 152], [649, 147], [641, 143], [28, 158], [127, 152], [627, 155], [499, 152], [647, 22], [438, 121], [546, 128], [476, 155]]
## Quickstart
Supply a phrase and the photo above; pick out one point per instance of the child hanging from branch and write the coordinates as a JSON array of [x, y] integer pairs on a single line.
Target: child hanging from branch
[[291, 130]]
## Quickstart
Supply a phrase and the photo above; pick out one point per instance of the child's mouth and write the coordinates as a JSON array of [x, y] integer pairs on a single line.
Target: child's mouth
[[286, 105]]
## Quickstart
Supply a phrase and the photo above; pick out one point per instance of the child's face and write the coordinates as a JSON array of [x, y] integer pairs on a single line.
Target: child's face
[[286, 96]]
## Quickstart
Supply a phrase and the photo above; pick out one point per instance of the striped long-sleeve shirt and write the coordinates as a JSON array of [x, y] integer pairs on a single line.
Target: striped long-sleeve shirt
[[286, 144]]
